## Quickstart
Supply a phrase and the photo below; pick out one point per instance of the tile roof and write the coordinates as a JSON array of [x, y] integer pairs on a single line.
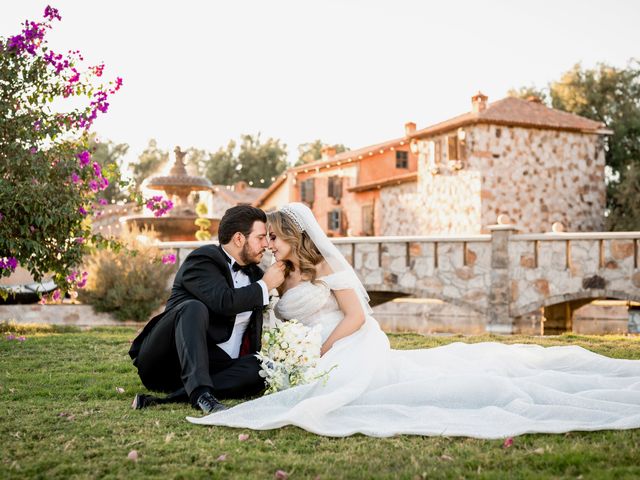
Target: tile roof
[[386, 182], [351, 155], [237, 196], [513, 111]]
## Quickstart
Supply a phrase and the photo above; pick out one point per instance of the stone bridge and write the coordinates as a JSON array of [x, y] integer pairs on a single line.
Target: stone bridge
[[502, 275]]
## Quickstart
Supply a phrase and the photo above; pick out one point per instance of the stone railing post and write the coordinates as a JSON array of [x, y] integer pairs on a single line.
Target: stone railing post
[[500, 291]]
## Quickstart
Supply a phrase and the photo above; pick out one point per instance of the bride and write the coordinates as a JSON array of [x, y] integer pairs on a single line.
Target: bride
[[486, 390]]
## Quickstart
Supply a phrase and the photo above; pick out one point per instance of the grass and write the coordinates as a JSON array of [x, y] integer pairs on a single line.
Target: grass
[[61, 416]]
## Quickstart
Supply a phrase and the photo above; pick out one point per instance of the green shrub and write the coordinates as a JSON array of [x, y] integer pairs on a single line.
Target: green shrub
[[130, 283]]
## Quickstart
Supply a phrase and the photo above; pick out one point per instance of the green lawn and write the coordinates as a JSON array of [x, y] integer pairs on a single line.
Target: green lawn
[[62, 416]]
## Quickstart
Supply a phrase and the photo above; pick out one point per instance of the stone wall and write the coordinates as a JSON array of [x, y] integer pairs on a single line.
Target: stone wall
[[536, 177], [400, 210], [569, 268], [539, 177]]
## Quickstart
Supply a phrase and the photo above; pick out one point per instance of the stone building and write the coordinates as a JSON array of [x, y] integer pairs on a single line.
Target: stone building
[[535, 164], [344, 189], [516, 157]]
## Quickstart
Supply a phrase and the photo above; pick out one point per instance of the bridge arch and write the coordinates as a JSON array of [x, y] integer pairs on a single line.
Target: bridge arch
[[422, 293], [592, 294]]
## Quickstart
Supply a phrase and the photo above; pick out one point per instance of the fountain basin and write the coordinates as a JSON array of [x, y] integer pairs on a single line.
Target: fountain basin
[[170, 229]]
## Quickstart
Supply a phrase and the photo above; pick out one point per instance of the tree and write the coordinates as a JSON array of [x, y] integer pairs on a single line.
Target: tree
[[259, 163], [195, 160], [149, 162], [252, 160], [610, 95], [624, 203], [48, 181], [528, 92], [109, 156], [312, 151], [221, 167]]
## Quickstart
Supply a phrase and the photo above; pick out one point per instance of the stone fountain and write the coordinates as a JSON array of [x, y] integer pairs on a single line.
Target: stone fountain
[[178, 224]]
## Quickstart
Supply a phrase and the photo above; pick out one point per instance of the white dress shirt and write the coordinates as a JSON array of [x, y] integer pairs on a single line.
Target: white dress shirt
[[240, 279]]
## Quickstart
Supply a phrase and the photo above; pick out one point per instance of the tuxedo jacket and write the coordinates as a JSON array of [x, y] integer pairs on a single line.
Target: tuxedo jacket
[[205, 276]]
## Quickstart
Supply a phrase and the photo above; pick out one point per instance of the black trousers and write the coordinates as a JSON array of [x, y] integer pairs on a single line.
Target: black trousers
[[178, 356]]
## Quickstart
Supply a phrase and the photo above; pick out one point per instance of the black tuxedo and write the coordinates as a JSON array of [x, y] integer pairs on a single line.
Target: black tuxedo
[[178, 348]]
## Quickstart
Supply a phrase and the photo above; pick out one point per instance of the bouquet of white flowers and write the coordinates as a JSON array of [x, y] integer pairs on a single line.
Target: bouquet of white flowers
[[289, 355]]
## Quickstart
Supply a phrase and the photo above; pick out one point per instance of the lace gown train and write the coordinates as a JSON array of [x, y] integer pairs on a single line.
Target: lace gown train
[[485, 390]]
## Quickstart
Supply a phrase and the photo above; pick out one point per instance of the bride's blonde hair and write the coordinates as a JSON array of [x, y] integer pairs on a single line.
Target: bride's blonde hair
[[302, 247]]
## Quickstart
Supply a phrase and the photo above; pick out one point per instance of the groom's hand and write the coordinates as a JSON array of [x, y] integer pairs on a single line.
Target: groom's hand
[[274, 276]]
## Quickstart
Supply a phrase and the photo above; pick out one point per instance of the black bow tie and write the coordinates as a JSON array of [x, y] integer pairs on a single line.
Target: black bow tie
[[243, 268]]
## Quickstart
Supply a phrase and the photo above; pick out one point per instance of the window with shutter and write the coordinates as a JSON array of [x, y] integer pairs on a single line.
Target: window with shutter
[[334, 220], [438, 151], [402, 159], [367, 220], [452, 143], [335, 188], [307, 191]]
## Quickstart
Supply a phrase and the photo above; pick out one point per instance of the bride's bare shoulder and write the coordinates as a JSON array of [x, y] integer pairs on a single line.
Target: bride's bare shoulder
[[323, 269]]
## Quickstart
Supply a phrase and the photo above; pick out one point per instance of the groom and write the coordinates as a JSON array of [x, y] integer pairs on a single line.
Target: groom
[[202, 346]]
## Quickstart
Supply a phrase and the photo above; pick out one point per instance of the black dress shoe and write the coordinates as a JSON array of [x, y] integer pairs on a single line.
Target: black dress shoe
[[141, 401], [209, 404]]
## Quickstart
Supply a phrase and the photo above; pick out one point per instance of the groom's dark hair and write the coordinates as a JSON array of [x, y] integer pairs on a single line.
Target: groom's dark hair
[[239, 219]]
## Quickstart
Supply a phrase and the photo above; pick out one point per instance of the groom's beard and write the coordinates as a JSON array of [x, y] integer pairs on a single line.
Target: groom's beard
[[248, 256]]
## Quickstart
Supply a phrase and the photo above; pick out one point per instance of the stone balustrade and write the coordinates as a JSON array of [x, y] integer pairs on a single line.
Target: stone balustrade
[[501, 275]]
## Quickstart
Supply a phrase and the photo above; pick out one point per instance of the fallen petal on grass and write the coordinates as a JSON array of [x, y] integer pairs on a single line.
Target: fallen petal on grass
[[168, 437], [222, 458], [133, 455], [281, 475], [446, 457], [119, 389], [243, 437], [508, 442]]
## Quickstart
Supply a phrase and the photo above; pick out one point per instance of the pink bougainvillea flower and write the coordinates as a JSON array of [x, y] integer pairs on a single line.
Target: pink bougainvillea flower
[[8, 263], [21, 338], [85, 158], [83, 280], [97, 170], [55, 296], [94, 186], [243, 437], [103, 201], [51, 13], [75, 178], [82, 211], [508, 442], [169, 259], [10, 336]]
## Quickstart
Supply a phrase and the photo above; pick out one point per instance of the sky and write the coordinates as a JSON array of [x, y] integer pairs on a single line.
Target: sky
[[200, 73]]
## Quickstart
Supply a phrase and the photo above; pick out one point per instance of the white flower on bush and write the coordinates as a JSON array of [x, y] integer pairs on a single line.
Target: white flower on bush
[[289, 355]]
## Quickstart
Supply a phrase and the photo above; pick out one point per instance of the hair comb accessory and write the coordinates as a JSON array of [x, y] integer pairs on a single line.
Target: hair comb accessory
[[288, 211]]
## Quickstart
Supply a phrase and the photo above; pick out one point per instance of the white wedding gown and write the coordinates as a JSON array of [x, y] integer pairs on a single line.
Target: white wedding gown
[[485, 390]]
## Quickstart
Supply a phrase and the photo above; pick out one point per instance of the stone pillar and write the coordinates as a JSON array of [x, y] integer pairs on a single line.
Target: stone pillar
[[499, 291]]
